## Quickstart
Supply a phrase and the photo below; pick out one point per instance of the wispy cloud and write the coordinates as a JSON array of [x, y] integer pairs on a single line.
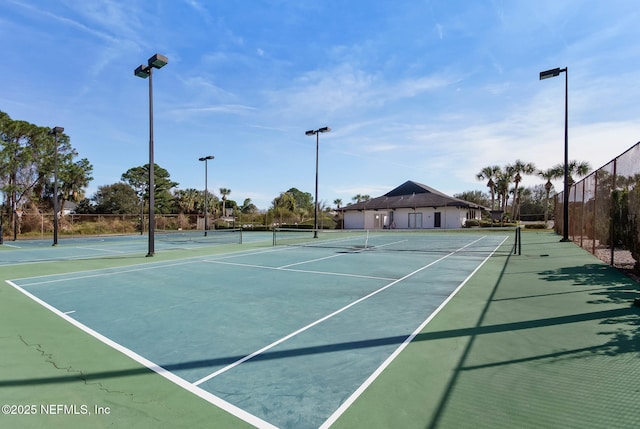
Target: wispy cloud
[[233, 109], [109, 15]]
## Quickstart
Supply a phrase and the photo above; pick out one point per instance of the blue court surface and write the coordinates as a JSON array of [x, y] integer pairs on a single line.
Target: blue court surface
[[282, 336]]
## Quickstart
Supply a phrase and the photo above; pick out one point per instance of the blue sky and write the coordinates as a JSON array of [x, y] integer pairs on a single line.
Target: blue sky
[[430, 91]]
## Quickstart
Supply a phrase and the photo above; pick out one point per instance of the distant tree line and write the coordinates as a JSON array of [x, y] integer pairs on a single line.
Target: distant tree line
[[503, 185], [28, 154]]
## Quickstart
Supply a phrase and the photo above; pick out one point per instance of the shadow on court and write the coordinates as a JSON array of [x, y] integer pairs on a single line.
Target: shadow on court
[[620, 344]]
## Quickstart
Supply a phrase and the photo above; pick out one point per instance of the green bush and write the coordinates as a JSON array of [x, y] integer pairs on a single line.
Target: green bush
[[536, 226]]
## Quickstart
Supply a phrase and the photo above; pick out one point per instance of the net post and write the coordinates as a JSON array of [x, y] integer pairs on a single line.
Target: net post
[[274, 236], [240, 235], [519, 241], [517, 246]]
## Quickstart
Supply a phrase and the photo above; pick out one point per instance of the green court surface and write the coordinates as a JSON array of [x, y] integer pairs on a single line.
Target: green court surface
[[460, 333]]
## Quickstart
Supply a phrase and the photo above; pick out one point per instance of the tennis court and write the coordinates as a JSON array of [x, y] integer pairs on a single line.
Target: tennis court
[[286, 334], [293, 335]]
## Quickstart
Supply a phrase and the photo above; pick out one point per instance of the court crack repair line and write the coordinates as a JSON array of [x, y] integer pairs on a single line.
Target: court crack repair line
[[74, 373]]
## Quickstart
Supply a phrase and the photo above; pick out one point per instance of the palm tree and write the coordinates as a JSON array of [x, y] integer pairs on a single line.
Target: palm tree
[[224, 192], [503, 180], [359, 198], [188, 199], [517, 168], [549, 173], [337, 202], [490, 173], [519, 194], [575, 168]]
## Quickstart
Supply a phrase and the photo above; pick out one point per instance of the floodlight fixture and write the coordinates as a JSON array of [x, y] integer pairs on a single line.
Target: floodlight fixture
[[158, 61], [319, 130], [142, 71], [551, 73]]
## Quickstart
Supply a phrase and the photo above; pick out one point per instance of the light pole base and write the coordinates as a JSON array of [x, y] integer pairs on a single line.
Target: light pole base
[[149, 255], [565, 240]]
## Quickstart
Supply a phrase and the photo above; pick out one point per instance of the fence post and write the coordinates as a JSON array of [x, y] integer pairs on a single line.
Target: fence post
[[595, 214]]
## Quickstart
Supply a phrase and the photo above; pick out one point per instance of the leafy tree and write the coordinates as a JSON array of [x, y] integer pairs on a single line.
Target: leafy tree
[[532, 201], [28, 156], [248, 207], [284, 207], [304, 200], [119, 198], [138, 179], [73, 177], [476, 197], [85, 206]]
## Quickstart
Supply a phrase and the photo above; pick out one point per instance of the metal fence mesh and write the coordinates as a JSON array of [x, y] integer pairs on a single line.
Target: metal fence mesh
[[604, 211]]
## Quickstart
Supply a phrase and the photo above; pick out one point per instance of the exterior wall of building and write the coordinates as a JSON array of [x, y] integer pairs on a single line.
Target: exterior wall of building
[[353, 220], [406, 218]]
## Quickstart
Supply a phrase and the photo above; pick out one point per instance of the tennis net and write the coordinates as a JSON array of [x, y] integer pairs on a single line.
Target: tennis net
[[447, 241], [217, 236]]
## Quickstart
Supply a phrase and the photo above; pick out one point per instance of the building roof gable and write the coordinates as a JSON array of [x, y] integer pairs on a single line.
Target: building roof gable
[[411, 195]]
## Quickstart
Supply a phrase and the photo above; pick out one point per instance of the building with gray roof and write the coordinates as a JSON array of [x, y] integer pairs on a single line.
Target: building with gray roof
[[411, 205]]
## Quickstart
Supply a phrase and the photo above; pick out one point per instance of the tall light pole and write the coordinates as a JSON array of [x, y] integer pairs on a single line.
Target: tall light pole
[[55, 131], [206, 191], [565, 218], [157, 61], [315, 209]]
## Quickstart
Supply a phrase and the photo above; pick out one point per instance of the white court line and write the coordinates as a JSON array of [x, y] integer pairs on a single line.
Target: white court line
[[327, 273], [140, 267], [207, 396], [309, 261], [112, 271], [346, 404], [330, 257], [329, 316]]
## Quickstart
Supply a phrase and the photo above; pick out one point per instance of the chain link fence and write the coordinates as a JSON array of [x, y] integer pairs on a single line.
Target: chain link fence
[[604, 211]]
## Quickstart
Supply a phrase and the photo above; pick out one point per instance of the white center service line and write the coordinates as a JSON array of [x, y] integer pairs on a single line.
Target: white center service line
[[325, 273]]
